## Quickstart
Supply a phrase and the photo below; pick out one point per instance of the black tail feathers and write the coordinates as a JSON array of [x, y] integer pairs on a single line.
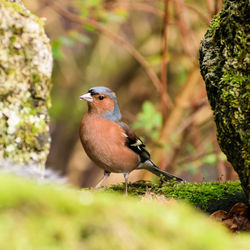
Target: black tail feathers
[[150, 166]]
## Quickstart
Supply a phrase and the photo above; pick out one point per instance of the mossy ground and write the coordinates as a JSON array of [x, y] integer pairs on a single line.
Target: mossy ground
[[39, 216], [209, 196]]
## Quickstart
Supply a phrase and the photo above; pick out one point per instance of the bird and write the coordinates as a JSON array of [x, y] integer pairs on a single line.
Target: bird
[[109, 142]]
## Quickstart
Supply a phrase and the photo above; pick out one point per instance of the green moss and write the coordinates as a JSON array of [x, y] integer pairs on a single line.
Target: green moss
[[57, 217], [28, 134], [224, 63], [36, 79], [12, 49], [197, 194], [214, 23]]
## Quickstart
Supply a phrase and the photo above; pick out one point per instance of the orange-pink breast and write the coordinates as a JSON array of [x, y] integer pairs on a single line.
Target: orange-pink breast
[[104, 143]]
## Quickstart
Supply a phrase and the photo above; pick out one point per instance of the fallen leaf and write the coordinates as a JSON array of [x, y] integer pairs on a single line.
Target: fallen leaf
[[219, 215], [237, 219], [239, 209], [149, 196]]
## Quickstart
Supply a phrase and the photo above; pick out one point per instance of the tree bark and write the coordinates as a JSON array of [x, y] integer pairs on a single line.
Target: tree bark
[[25, 72], [224, 63]]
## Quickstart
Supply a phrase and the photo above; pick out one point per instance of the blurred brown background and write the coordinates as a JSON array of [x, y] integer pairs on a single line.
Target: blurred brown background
[[147, 52]]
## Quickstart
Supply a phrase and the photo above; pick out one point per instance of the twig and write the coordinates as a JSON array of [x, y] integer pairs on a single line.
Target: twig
[[113, 36], [221, 168], [203, 17], [164, 62], [214, 6], [210, 8], [195, 158], [217, 6], [176, 151], [150, 9], [135, 6], [186, 33], [197, 142], [174, 117], [188, 121]]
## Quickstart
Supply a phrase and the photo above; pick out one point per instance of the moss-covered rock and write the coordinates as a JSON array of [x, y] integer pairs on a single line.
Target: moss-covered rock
[[224, 63], [35, 216], [25, 71]]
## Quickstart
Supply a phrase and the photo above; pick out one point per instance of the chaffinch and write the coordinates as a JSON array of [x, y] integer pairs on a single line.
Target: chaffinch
[[109, 142]]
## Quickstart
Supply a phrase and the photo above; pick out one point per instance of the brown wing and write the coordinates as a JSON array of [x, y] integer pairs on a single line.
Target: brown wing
[[134, 142]]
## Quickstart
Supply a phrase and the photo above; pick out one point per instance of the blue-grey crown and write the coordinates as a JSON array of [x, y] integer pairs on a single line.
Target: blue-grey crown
[[102, 91], [113, 115]]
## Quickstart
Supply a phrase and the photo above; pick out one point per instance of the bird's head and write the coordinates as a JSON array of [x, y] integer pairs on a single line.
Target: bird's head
[[102, 101]]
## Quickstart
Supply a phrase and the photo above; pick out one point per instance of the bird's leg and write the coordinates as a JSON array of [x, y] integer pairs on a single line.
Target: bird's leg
[[126, 183], [106, 175]]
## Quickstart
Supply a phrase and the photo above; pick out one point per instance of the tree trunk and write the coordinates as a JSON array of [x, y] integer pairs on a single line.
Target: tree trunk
[[25, 71], [224, 63]]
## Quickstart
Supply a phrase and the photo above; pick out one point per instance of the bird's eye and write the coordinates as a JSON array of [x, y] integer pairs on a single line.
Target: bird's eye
[[101, 97]]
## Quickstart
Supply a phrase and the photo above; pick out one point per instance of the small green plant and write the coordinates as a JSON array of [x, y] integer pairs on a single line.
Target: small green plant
[[149, 119]]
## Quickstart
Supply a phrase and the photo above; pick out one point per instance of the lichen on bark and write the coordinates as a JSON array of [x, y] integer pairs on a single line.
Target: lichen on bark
[[224, 63], [25, 83]]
